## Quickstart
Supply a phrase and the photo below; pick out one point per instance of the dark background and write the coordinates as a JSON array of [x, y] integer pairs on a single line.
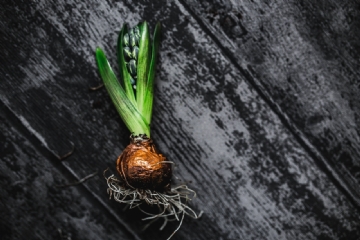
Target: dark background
[[257, 102]]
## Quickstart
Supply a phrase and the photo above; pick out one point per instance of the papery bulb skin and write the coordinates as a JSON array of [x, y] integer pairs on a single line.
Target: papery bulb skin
[[141, 166]]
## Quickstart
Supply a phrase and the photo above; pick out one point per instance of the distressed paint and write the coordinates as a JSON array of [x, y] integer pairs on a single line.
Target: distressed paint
[[253, 177]]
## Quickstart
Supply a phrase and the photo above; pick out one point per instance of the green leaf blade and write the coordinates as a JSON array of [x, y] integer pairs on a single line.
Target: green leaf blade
[[128, 111], [149, 95], [143, 65]]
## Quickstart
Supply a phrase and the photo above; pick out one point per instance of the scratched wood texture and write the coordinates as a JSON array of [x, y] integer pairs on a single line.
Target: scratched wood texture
[[303, 56], [255, 102]]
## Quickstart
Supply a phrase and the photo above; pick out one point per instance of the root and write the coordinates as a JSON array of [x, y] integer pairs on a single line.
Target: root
[[68, 154], [172, 204], [97, 87], [80, 181]]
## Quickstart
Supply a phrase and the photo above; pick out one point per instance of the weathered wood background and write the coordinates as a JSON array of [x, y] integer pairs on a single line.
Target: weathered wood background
[[256, 101]]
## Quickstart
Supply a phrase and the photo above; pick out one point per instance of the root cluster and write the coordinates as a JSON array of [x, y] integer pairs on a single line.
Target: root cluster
[[172, 204]]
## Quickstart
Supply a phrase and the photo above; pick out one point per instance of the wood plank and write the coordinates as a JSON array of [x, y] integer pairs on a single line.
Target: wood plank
[[32, 205], [303, 58], [253, 178]]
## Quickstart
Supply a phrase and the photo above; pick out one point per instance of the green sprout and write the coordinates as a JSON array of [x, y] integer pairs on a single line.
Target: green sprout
[[137, 55], [145, 174]]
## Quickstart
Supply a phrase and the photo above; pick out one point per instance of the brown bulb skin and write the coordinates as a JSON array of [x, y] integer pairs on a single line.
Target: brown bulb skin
[[139, 166]]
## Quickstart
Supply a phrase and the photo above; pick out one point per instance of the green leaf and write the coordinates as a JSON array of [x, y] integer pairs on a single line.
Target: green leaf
[[125, 76], [128, 112], [143, 65], [149, 96]]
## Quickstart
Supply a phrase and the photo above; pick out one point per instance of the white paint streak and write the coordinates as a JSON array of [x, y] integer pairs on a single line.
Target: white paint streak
[[33, 131]]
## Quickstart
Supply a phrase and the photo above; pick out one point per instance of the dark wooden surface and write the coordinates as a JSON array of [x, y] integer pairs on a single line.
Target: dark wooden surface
[[256, 102]]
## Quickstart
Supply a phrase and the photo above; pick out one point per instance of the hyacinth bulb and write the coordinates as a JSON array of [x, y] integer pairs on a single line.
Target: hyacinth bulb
[[145, 174], [141, 166]]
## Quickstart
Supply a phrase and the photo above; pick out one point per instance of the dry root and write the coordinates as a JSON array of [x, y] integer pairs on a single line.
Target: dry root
[[172, 204]]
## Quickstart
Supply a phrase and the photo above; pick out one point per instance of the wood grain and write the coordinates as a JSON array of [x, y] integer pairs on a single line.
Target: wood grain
[[254, 177], [33, 205], [302, 56]]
